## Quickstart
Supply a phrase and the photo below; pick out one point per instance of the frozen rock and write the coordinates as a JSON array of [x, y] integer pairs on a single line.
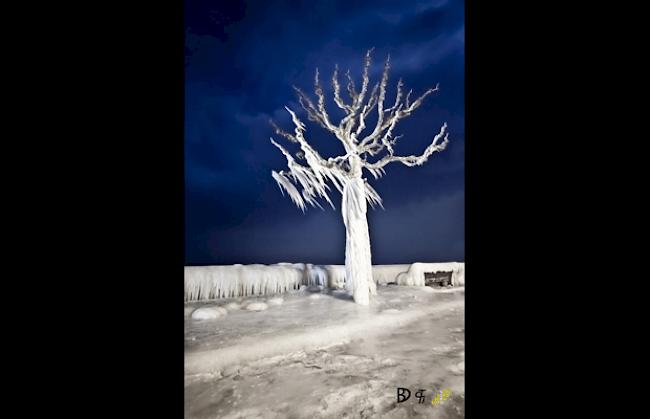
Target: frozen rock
[[314, 288], [256, 306], [314, 296], [233, 306], [428, 289], [275, 301], [206, 313]]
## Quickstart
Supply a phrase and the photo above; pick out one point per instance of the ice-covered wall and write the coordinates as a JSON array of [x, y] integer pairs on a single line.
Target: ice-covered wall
[[316, 275], [211, 282], [224, 281], [415, 274], [383, 274], [336, 276]]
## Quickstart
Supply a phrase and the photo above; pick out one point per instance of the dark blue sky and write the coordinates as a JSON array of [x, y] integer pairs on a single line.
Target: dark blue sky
[[242, 59]]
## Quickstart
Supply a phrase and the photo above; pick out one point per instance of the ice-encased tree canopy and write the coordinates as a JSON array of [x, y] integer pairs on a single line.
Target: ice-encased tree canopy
[[306, 183]]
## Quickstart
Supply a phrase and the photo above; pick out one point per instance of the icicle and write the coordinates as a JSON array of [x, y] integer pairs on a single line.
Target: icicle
[[214, 282]]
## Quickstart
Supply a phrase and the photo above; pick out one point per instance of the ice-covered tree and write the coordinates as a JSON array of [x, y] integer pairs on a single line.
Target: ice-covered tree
[[310, 172]]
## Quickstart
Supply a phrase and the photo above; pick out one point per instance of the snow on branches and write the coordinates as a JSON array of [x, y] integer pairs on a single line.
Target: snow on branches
[[312, 178]]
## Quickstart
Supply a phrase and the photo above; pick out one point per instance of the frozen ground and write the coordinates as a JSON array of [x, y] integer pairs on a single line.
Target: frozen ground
[[319, 355]]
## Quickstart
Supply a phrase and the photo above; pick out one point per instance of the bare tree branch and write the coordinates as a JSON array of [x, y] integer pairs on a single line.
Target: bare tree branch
[[365, 78], [398, 96], [313, 113], [380, 105], [414, 160], [341, 169], [337, 91], [283, 133], [419, 100], [307, 149], [351, 88]]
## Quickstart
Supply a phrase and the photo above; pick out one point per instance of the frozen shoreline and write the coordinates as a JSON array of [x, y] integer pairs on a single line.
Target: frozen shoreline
[[327, 357], [250, 348]]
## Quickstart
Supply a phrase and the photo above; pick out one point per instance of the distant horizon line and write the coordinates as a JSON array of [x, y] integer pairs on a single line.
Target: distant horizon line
[[315, 264]]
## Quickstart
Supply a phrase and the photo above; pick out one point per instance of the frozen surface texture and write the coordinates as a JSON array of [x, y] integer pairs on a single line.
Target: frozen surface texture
[[256, 306], [329, 358], [229, 281], [211, 282]]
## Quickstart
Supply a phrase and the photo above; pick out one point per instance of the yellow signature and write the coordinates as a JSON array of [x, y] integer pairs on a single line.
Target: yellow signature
[[440, 397]]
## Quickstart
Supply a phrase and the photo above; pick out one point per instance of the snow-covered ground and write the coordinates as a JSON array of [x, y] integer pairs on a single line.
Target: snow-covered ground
[[315, 354]]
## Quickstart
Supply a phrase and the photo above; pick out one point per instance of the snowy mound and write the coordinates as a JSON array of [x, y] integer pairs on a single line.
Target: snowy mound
[[206, 313], [256, 306], [275, 301]]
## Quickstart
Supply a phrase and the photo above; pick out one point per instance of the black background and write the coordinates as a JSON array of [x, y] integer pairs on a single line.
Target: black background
[[98, 287]]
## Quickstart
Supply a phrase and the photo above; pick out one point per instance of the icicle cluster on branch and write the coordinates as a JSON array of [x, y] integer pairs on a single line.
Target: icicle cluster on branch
[[312, 178]]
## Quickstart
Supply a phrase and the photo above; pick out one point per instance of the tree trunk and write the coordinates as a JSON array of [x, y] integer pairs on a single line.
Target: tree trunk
[[358, 261]]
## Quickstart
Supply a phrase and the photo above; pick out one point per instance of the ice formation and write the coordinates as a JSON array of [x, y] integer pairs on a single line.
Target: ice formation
[[216, 282], [383, 274], [358, 266], [275, 301], [335, 276], [415, 274], [211, 282], [256, 306], [316, 275], [345, 172], [205, 313]]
